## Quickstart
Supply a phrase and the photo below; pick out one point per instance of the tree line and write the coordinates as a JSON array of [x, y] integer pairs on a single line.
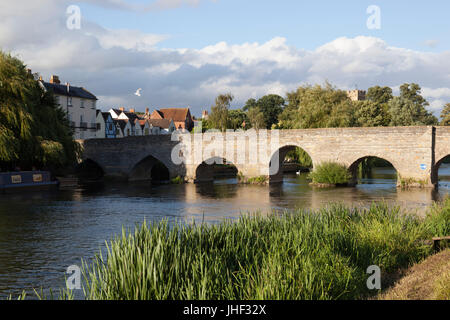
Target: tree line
[[34, 130], [324, 106]]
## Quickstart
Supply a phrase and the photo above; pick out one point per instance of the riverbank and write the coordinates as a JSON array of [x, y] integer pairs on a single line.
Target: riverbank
[[301, 255], [428, 280]]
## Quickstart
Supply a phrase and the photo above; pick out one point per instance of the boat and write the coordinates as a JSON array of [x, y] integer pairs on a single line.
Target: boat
[[26, 180]]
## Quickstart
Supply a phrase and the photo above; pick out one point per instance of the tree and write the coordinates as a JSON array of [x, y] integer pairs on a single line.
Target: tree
[[218, 119], [270, 105], [445, 115], [371, 114], [256, 118], [34, 130], [317, 107], [379, 95], [236, 119], [404, 112]]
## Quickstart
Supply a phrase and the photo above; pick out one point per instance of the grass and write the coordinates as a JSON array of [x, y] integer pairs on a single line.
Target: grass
[[259, 180], [177, 180], [330, 173], [301, 255]]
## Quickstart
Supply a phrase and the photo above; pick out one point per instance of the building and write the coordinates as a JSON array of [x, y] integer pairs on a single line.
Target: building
[[181, 117], [161, 126], [356, 95], [105, 125], [79, 104]]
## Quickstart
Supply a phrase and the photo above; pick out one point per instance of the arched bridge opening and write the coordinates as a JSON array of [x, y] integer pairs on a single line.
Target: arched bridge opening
[[291, 159], [89, 170], [441, 172], [215, 169], [373, 170], [150, 169]]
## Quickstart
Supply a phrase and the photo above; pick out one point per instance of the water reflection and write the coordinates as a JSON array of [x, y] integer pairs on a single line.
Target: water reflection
[[41, 233]]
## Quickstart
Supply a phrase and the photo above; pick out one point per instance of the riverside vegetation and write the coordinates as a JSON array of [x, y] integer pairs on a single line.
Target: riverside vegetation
[[298, 255]]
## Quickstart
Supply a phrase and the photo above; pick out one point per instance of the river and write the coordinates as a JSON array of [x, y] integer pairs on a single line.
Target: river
[[42, 233]]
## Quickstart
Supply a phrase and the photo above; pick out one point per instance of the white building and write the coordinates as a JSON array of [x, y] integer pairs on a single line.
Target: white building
[[79, 104]]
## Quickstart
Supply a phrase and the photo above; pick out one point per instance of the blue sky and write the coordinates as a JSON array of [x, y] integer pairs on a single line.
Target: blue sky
[[306, 24], [186, 52]]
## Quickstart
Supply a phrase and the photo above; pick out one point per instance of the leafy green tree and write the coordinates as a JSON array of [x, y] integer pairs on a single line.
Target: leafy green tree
[[256, 118], [371, 114], [317, 107], [404, 112], [270, 105], [34, 130], [218, 119], [445, 115], [379, 95], [236, 119]]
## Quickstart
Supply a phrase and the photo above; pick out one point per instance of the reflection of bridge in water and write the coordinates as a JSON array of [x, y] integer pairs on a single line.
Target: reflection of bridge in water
[[415, 152]]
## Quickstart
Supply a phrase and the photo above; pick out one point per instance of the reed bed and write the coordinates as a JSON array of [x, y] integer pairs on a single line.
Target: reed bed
[[299, 255]]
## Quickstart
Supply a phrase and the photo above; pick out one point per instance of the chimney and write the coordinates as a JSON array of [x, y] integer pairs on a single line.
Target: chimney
[[68, 86], [55, 79], [122, 109], [132, 110], [40, 78], [147, 110]]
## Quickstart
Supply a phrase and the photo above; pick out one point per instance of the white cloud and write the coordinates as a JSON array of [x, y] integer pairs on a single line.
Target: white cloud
[[113, 63]]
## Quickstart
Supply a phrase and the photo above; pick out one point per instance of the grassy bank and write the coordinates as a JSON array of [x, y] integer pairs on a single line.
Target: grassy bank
[[303, 255]]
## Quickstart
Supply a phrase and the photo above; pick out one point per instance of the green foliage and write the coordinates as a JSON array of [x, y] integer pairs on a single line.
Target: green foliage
[[218, 119], [330, 173], [34, 131], [177, 180], [237, 118], [253, 180], [256, 118], [371, 114], [445, 115], [404, 112], [317, 107], [379, 95], [290, 256], [300, 156], [270, 106], [410, 108]]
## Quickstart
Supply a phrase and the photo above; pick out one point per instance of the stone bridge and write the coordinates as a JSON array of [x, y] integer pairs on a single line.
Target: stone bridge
[[415, 152]]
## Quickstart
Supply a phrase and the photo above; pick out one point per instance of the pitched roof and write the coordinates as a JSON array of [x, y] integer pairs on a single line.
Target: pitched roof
[[162, 123], [131, 115], [61, 89], [106, 115], [176, 114], [121, 122]]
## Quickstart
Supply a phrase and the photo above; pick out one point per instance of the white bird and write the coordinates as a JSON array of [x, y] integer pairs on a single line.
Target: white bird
[[138, 92]]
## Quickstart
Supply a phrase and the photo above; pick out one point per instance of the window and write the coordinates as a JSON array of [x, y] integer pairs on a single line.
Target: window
[[110, 127], [98, 126], [82, 103], [93, 105], [146, 131], [57, 100]]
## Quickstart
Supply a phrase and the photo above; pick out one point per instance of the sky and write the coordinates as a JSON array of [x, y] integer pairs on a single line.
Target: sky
[[186, 52]]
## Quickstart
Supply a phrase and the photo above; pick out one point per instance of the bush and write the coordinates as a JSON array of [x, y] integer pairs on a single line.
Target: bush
[[330, 173]]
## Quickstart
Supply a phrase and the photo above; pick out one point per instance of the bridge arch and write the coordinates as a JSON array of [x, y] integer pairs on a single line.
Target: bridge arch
[[215, 167], [367, 162], [89, 170], [149, 168], [436, 169], [277, 159]]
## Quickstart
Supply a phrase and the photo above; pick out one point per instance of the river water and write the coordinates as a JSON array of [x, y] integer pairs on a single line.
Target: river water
[[42, 233]]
